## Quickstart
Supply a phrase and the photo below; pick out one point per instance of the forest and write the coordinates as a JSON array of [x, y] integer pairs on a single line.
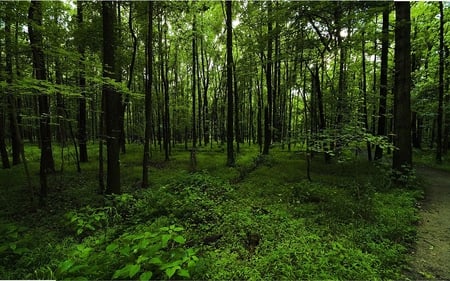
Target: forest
[[293, 140]]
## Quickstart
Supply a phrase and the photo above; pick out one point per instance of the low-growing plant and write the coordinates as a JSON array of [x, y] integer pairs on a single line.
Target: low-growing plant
[[141, 252]]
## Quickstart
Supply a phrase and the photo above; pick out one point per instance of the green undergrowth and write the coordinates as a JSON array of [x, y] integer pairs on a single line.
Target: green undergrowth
[[259, 220]]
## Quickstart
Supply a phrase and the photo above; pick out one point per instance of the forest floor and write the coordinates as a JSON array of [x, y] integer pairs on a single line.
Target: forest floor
[[432, 254], [259, 220]]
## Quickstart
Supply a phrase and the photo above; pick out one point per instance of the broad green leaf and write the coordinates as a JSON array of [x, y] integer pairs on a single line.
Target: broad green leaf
[[134, 269], [165, 239], [155, 260], [171, 271], [146, 276], [63, 267], [179, 239], [112, 247], [183, 273], [142, 259]]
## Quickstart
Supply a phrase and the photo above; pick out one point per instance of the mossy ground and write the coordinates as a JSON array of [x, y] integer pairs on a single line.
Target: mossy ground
[[259, 220]]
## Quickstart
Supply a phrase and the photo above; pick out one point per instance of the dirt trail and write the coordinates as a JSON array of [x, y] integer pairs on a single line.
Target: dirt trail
[[431, 260]]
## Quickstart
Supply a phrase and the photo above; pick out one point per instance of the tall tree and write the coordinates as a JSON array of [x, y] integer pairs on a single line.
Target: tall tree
[[194, 80], [112, 99], [269, 109], [148, 95], [402, 156], [36, 42], [230, 148], [383, 80], [12, 101], [82, 134], [440, 116]]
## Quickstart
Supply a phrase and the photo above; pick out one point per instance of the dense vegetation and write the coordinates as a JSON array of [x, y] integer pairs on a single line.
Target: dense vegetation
[[217, 140], [262, 219]]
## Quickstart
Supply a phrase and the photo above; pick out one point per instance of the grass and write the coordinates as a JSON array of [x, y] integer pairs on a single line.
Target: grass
[[259, 220]]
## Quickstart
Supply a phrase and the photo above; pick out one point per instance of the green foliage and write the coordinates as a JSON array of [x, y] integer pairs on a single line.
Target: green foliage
[[88, 219], [142, 253], [14, 240]]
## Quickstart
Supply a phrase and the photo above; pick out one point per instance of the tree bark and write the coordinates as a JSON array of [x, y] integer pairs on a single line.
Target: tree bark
[[230, 97], [82, 134], [148, 95], [440, 115], [14, 126], [112, 100], [402, 157], [383, 81], [36, 41], [268, 120]]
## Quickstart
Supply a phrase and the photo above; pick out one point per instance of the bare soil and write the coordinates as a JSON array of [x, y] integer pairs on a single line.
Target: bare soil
[[431, 257]]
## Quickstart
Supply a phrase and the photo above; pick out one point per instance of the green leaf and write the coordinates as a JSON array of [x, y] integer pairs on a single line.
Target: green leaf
[[183, 273], [125, 250], [141, 259], [171, 271], [134, 269], [146, 276], [112, 247], [155, 261], [165, 239], [63, 267], [179, 239]]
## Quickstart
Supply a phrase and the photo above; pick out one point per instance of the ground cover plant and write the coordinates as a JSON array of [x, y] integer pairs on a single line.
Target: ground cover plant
[[259, 220]]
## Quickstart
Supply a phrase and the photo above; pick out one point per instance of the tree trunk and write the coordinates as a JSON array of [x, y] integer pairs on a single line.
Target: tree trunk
[[36, 41], [3, 152], [237, 128], [82, 134], [194, 81], [402, 157], [112, 100], [440, 115], [268, 120], [148, 95], [14, 127], [383, 80], [230, 149], [364, 90]]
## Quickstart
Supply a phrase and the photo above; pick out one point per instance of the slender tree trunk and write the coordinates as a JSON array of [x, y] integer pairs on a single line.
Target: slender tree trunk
[[364, 90], [112, 100], [148, 95], [402, 157], [440, 116], [36, 41], [82, 133], [230, 97], [205, 74], [383, 80], [14, 126], [3, 152], [268, 120], [194, 81], [165, 81], [237, 128]]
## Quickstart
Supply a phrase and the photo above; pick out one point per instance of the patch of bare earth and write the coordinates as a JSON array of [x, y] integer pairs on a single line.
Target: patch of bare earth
[[431, 257]]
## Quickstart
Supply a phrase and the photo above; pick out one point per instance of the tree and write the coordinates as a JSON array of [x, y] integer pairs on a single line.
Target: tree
[[36, 41], [82, 134], [402, 156], [13, 124], [440, 115], [383, 80], [148, 95], [112, 100], [268, 111], [230, 148]]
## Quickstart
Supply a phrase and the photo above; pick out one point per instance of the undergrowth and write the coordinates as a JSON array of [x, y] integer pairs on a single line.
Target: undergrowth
[[259, 220]]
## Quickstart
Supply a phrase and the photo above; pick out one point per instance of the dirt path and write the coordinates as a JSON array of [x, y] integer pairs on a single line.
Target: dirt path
[[431, 260]]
